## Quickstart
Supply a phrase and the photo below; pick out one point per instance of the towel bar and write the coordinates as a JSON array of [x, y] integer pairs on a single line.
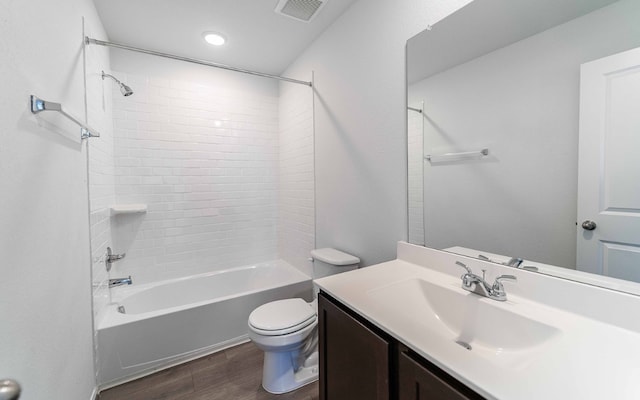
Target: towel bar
[[39, 105]]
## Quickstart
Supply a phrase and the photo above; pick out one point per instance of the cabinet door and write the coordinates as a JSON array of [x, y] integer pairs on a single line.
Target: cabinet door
[[416, 382], [354, 360]]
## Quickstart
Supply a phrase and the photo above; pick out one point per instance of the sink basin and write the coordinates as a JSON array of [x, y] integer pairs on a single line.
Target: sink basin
[[474, 322]]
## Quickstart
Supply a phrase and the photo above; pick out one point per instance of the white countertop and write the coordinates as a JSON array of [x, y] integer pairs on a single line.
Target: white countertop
[[588, 359]]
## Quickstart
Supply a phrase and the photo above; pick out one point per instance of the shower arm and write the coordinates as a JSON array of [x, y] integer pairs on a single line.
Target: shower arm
[[124, 89], [112, 77]]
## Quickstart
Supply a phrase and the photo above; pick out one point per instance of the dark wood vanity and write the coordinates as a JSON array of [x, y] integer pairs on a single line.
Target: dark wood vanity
[[359, 361]]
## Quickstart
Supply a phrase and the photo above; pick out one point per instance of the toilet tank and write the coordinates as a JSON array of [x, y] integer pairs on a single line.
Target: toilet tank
[[330, 261]]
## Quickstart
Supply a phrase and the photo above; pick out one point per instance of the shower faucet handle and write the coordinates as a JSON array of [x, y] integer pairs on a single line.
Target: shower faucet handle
[[114, 257], [111, 258]]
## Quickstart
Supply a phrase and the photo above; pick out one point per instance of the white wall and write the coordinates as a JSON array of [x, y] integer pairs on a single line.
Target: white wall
[[360, 123], [46, 335], [522, 102], [415, 165]]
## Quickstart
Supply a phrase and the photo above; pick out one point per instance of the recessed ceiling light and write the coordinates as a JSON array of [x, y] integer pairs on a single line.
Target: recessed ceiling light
[[214, 38]]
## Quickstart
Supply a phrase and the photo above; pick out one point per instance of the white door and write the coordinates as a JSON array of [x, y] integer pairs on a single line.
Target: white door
[[609, 167]]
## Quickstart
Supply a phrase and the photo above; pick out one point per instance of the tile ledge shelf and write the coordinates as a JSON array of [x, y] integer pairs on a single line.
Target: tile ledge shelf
[[121, 209]]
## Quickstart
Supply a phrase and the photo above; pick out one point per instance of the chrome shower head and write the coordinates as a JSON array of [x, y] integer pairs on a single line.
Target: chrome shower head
[[124, 89]]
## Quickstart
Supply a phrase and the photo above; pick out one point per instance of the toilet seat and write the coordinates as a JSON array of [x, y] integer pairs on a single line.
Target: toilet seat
[[282, 317]]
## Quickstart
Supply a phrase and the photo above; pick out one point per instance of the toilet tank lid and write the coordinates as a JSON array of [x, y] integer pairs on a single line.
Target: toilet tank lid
[[334, 257]]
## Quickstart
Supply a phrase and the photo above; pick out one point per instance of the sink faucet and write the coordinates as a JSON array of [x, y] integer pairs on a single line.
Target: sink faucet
[[476, 284], [120, 281], [514, 262]]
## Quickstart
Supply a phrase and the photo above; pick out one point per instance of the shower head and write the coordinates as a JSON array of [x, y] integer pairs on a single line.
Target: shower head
[[124, 89]]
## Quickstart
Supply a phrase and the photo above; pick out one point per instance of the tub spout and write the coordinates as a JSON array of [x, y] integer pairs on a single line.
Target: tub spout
[[120, 281]]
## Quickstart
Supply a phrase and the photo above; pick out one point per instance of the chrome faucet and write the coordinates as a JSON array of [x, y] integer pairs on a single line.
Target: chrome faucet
[[120, 281], [514, 262], [476, 284]]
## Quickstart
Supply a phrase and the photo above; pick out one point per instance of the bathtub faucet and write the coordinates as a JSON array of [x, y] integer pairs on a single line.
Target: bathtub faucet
[[120, 281]]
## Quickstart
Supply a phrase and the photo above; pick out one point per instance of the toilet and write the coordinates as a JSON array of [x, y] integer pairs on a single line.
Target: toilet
[[286, 330]]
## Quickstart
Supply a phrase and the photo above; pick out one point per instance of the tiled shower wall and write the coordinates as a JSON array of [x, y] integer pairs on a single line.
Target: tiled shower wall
[[296, 217], [205, 162]]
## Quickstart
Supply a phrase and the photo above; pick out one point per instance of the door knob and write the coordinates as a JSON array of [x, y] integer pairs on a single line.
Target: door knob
[[9, 389], [589, 225]]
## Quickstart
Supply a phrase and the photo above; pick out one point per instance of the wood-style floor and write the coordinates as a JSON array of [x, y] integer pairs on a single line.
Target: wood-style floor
[[232, 374]]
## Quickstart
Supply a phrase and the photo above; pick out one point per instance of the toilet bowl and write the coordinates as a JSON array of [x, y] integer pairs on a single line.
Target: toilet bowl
[[286, 330]]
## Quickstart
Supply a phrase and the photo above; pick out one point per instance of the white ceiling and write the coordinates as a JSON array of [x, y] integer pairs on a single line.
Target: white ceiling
[[258, 39]]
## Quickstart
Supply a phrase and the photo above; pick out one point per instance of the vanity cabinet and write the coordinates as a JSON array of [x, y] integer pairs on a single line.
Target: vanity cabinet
[[354, 359], [358, 361]]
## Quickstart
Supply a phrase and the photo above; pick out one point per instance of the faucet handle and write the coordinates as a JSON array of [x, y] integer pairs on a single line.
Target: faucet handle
[[514, 262], [497, 285], [469, 271], [467, 281]]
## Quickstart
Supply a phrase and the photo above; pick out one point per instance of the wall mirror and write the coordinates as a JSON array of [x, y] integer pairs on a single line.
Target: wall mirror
[[524, 136]]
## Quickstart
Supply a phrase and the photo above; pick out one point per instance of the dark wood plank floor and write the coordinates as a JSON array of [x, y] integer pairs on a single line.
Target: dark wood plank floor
[[232, 374]]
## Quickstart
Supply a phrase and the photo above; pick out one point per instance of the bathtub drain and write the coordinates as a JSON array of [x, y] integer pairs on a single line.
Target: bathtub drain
[[121, 310]]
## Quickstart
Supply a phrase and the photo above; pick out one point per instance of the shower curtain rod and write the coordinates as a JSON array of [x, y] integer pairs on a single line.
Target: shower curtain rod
[[89, 40]]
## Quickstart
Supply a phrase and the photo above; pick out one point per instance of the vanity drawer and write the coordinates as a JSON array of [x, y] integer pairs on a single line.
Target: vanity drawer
[[420, 380]]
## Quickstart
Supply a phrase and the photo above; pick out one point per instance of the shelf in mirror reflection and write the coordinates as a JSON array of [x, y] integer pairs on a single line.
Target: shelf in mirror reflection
[[457, 156]]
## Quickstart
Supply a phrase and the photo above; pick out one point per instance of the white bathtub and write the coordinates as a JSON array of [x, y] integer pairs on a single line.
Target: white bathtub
[[170, 322]]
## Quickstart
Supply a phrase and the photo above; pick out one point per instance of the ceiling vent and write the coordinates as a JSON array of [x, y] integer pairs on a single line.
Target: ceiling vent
[[302, 10]]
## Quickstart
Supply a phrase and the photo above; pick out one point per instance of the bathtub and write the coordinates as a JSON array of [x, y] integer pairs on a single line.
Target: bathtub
[[155, 326]]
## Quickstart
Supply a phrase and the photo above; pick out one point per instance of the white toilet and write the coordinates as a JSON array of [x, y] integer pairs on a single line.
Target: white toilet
[[286, 330]]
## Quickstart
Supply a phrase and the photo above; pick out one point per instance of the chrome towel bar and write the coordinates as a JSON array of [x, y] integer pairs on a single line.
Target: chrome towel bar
[[452, 157], [39, 105]]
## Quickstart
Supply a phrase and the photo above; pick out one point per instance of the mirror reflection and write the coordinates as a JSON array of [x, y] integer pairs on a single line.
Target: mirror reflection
[[523, 135]]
